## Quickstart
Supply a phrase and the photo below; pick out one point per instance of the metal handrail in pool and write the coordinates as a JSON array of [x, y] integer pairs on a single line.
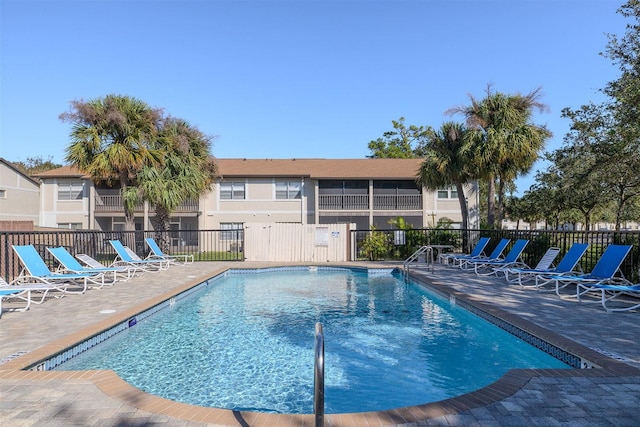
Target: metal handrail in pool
[[426, 251], [318, 379]]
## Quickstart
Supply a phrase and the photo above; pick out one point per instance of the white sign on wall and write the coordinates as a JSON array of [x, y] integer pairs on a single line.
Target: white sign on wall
[[322, 236]]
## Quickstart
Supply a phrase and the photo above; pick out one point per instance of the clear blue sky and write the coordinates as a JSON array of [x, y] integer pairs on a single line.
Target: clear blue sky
[[304, 78]]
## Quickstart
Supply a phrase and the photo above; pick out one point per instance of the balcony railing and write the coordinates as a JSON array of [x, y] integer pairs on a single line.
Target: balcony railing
[[188, 206], [389, 202], [344, 202], [361, 202], [108, 203]]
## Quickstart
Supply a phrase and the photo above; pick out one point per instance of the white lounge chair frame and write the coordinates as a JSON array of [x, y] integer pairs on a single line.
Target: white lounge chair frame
[[156, 253], [25, 292], [36, 269], [129, 270], [126, 256]]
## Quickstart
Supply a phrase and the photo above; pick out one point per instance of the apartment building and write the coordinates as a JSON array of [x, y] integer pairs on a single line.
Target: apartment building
[[365, 192], [19, 195]]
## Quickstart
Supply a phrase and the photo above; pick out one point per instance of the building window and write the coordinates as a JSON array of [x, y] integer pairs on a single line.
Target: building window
[[70, 225], [231, 231], [330, 186], [397, 187], [232, 190], [448, 193], [3, 194], [70, 190], [288, 189]]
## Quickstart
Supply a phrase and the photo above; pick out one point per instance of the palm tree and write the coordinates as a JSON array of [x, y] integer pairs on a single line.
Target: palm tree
[[186, 172], [447, 162], [504, 141], [111, 141]]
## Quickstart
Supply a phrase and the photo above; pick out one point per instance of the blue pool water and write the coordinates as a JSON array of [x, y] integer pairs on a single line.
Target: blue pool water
[[245, 342]]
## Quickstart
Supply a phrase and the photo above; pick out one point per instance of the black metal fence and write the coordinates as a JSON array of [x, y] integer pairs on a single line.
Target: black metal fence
[[400, 244], [228, 245], [204, 245]]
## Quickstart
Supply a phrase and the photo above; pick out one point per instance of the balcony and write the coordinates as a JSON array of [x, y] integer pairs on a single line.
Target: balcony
[[385, 202], [111, 203], [400, 202], [344, 202]]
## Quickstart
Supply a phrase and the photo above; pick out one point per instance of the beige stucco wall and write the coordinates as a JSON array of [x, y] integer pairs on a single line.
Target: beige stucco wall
[[54, 211], [436, 208], [21, 201], [260, 205]]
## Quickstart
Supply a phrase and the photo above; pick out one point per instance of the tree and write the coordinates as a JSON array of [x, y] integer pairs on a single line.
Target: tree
[[543, 200], [504, 140], [111, 142], [400, 143], [610, 156], [447, 162], [37, 164], [623, 143], [597, 167], [522, 208], [185, 173], [624, 93], [579, 185]]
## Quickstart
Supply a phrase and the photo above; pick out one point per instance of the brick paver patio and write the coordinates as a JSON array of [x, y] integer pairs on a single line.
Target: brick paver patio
[[606, 396]]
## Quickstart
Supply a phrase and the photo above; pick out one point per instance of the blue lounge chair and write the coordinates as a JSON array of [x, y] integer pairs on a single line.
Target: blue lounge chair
[[605, 269], [544, 264], [23, 292], [527, 276], [512, 259], [36, 269], [70, 265], [125, 256], [609, 291], [477, 251], [156, 253], [495, 255]]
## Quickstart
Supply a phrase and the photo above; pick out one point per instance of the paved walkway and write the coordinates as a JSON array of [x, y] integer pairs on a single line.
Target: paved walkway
[[609, 396]]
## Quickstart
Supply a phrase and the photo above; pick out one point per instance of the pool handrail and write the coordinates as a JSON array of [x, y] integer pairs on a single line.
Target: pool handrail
[[318, 379]]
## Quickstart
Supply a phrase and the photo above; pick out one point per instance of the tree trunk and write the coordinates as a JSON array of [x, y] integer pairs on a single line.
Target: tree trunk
[[129, 216], [500, 206], [491, 202], [620, 204], [129, 221], [464, 211], [587, 220], [162, 225]]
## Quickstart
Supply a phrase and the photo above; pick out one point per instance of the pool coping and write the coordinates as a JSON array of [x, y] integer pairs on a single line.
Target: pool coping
[[112, 385]]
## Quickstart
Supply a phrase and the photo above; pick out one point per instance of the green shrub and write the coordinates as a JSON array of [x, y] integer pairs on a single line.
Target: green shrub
[[375, 245]]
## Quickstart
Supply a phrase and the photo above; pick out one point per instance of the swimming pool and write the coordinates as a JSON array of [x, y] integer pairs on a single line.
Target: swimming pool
[[388, 344]]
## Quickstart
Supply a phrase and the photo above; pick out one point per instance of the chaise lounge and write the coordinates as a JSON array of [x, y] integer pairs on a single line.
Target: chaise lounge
[[605, 269], [24, 292], [527, 276], [125, 256], [70, 265], [36, 269], [156, 253]]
